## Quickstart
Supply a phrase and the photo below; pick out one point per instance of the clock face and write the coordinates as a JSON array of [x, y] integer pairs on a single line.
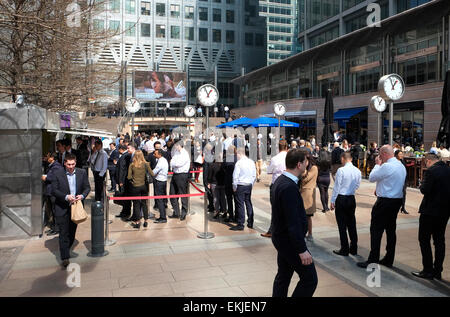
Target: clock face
[[378, 104], [207, 95], [279, 109], [392, 87], [133, 105], [189, 111]]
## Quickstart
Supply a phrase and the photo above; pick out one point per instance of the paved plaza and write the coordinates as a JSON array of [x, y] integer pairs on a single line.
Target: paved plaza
[[169, 259]]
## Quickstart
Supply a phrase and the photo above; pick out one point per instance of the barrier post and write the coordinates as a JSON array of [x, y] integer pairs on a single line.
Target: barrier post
[[97, 233], [108, 241]]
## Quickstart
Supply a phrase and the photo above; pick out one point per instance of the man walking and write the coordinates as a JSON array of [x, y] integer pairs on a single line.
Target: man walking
[[348, 179], [160, 183], [180, 164], [244, 176], [389, 174], [68, 186], [99, 164], [289, 230], [276, 167], [434, 214]]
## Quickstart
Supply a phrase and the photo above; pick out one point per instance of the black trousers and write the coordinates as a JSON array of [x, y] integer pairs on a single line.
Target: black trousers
[[345, 218], [98, 181], [431, 226], [160, 190], [288, 263], [112, 176], [178, 186], [323, 182], [209, 192], [67, 230], [243, 196], [230, 200], [126, 204], [155, 205], [384, 218], [271, 218], [139, 205]]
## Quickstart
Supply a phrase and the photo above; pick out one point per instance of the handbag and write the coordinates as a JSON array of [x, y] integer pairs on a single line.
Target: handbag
[[148, 177], [119, 193], [78, 213]]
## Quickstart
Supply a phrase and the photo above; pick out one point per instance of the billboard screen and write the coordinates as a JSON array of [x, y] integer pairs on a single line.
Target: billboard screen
[[160, 86]]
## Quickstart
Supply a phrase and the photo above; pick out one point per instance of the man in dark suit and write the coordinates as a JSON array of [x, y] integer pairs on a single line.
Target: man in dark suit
[[229, 163], [53, 168], [434, 214], [68, 186], [289, 230], [112, 163], [121, 179]]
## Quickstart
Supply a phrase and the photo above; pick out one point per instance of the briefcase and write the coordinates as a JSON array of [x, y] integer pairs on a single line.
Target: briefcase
[[78, 213]]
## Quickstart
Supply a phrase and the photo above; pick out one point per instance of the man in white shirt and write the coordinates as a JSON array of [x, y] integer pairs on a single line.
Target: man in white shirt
[[180, 164], [390, 174], [244, 176], [148, 147], [348, 179], [162, 140], [160, 183], [99, 165], [276, 167]]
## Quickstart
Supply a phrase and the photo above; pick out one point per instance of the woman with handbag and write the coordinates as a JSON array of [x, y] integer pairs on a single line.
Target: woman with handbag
[[138, 174], [308, 192]]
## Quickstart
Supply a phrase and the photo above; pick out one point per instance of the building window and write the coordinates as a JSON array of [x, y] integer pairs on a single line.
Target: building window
[[230, 16], [145, 29], [217, 36], [230, 36], [189, 33], [130, 6], [114, 26], [146, 8], [203, 34], [203, 14], [249, 39], [174, 32], [161, 9], [217, 15], [189, 12], [130, 29], [99, 25], [174, 11], [160, 31], [259, 40], [114, 6]]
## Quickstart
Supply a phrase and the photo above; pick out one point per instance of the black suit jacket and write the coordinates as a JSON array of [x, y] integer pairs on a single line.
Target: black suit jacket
[[60, 189], [113, 156], [122, 168], [436, 190], [289, 217]]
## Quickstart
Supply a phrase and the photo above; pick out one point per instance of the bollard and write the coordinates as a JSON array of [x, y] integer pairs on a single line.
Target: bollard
[[97, 230]]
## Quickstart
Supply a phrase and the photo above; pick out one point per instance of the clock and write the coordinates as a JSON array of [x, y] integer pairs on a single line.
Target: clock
[[133, 105], [378, 104], [279, 109], [189, 111], [391, 87], [207, 95]]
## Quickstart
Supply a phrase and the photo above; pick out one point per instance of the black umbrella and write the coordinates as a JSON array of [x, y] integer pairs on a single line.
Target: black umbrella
[[443, 137], [328, 119]]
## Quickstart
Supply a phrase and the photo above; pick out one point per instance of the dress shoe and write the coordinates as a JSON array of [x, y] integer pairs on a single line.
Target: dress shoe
[[65, 263], [136, 225], [173, 216], [266, 235], [145, 224], [437, 276], [340, 252], [52, 233], [151, 216], [216, 215], [183, 217], [159, 220], [385, 263], [363, 264], [353, 251], [250, 226], [121, 216], [423, 274], [237, 228], [403, 211]]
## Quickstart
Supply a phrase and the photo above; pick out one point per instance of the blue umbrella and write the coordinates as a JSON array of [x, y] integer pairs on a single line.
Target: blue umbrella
[[234, 123], [271, 122]]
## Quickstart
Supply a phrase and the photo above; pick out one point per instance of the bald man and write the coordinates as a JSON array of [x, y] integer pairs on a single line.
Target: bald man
[[389, 174]]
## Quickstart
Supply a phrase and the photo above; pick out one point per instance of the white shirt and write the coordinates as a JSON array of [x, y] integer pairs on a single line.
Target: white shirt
[[163, 142], [100, 164], [390, 178], [348, 179], [444, 153], [277, 165], [180, 162], [149, 146], [227, 142], [244, 172], [161, 169]]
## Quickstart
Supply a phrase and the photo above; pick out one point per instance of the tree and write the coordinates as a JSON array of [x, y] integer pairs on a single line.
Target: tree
[[47, 49]]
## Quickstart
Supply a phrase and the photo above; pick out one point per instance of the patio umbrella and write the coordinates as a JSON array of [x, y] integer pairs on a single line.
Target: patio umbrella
[[270, 122], [443, 137], [234, 123], [328, 119]]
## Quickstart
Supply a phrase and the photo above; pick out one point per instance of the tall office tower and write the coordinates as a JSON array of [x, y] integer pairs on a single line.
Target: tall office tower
[[193, 36], [282, 28]]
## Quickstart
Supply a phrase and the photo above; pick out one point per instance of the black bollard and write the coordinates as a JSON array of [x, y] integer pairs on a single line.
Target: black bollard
[[97, 230]]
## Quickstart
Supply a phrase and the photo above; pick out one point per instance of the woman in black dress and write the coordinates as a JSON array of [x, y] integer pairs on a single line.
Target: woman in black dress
[[323, 178]]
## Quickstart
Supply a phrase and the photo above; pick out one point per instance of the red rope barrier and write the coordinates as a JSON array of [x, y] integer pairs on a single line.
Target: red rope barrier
[[196, 187]]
